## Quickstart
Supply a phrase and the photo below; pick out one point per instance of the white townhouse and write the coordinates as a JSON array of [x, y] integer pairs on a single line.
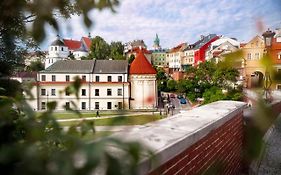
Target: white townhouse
[[175, 57], [104, 85]]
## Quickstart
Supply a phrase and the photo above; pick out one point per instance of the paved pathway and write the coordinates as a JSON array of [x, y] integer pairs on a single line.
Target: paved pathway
[[103, 117], [270, 163]]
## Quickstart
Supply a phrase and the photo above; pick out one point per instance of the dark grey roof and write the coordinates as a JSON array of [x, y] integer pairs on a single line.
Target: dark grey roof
[[111, 66], [71, 66], [204, 40], [58, 42]]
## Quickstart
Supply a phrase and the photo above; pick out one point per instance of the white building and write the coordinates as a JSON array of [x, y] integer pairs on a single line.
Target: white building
[[57, 51], [105, 85], [143, 83], [175, 56], [222, 46]]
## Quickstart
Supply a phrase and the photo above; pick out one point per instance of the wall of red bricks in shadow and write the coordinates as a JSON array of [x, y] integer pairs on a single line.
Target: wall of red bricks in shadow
[[222, 146]]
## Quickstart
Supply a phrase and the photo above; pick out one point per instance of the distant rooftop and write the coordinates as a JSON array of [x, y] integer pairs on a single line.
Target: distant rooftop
[[71, 66], [111, 66]]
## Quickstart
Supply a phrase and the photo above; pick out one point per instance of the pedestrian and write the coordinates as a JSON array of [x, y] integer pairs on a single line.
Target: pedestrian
[[98, 114]]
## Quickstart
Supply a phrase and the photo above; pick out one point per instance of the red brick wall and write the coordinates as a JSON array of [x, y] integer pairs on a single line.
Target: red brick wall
[[222, 145]]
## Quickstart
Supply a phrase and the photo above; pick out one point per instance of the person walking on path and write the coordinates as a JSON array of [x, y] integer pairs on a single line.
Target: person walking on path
[[98, 114]]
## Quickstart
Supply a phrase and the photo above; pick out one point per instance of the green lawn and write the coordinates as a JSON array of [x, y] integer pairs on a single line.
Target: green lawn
[[84, 115], [122, 120]]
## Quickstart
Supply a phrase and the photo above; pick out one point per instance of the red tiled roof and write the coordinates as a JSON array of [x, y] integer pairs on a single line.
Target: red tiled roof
[[177, 48], [87, 41], [72, 44], [136, 49], [140, 65]]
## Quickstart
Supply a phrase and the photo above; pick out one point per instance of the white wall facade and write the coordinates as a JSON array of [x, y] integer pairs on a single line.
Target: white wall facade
[[175, 60], [79, 54], [110, 96], [143, 91]]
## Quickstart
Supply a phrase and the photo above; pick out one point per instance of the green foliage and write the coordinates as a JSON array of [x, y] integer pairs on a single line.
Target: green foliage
[[16, 37], [171, 85], [99, 50], [131, 58], [213, 94], [35, 66], [116, 51], [208, 80]]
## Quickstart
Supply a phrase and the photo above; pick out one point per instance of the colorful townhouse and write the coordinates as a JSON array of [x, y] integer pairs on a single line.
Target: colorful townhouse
[[201, 47]]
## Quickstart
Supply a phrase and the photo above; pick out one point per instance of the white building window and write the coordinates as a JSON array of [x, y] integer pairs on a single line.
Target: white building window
[[53, 78], [257, 55], [53, 92], [67, 78], [67, 105], [83, 77], [97, 105], [109, 78], [97, 78], [119, 78], [43, 105], [43, 77], [278, 86], [43, 92], [109, 105], [249, 56], [109, 92], [119, 92], [83, 105], [97, 92], [83, 92]]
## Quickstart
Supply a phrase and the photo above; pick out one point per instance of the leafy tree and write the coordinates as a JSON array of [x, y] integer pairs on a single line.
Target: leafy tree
[[117, 50], [171, 84], [208, 75], [99, 50], [131, 58], [16, 36], [213, 94], [35, 66]]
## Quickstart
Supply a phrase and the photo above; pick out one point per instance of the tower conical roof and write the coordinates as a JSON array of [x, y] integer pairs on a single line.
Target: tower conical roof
[[58, 42], [140, 65]]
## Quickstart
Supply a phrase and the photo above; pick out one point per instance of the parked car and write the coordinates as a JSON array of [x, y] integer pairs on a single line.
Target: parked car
[[183, 101]]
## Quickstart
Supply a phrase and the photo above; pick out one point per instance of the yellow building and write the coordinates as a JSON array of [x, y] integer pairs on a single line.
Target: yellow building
[[253, 69]]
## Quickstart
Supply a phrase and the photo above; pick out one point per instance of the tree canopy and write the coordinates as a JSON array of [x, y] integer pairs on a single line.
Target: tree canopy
[[16, 37]]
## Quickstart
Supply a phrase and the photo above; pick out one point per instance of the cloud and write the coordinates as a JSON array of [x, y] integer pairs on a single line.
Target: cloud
[[176, 21]]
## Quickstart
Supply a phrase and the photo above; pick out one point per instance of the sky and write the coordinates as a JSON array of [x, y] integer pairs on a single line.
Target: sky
[[175, 21]]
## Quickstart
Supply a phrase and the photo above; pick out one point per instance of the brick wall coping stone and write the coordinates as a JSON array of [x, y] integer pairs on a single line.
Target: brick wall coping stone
[[170, 136]]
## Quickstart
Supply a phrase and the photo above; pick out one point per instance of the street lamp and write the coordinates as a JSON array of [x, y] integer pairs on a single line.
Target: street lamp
[[267, 36]]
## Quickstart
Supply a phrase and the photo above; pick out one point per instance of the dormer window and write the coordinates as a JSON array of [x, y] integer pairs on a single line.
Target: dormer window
[[56, 48]]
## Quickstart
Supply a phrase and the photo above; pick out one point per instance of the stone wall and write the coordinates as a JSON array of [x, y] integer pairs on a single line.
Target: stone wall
[[193, 141]]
